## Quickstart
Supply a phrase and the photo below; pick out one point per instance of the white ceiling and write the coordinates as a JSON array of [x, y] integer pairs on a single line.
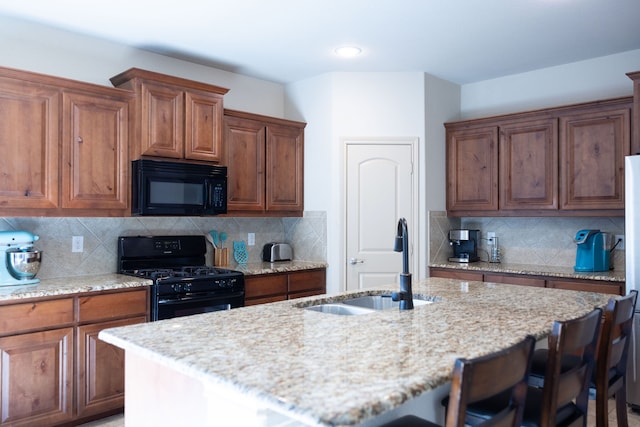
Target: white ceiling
[[462, 41]]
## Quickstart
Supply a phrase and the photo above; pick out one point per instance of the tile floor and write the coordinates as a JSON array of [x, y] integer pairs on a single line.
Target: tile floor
[[634, 418]]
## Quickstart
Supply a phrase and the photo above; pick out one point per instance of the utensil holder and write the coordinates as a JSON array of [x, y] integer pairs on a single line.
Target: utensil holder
[[221, 256]]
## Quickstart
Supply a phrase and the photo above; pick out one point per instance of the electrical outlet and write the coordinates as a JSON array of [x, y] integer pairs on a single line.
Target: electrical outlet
[[619, 246], [77, 243], [251, 239], [491, 235]]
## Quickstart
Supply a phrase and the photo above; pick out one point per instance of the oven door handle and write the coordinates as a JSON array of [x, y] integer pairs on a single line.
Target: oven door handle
[[185, 299]]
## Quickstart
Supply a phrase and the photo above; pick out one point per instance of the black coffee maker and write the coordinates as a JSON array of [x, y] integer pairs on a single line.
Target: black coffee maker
[[464, 244]]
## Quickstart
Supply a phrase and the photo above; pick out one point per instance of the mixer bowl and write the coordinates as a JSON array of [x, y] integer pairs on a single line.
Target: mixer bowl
[[23, 264]]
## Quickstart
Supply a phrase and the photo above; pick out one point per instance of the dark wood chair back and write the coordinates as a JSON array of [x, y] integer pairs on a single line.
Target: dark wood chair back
[[502, 374], [493, 375], [565, 394], [611, 366]]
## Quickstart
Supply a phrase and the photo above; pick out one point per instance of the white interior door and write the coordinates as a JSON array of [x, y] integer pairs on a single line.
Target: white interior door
[[379, 191]]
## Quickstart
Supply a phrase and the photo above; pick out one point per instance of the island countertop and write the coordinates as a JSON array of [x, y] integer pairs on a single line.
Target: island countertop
[[344, 370]]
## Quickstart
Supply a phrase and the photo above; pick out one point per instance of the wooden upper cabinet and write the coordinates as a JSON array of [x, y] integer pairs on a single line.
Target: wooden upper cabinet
[[245, 160], [529, 165], [174, 117], [65, 147], [29, 136], [472, 168], [284, 167], [593, 147], [264, 156], [564, 161], [95, 160]]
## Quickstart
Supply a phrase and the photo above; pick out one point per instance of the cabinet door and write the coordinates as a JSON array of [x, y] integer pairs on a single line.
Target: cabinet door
[[592, 150], [95, 157], [472, 169], [529, 165], [36, 372], [307, 283], [100, 381], [245, 151], [29, 137], [284, 168], [203, 129], [267, 288], [161, 121]]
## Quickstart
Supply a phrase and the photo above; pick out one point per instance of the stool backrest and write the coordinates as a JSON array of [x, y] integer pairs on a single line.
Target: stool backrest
[[503, 373], [615, 338], [575, 337]]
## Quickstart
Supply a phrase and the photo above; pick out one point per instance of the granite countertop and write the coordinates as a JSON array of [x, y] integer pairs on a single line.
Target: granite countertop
[[531, 269], [104, 282], [71, 285], [254, 268], [296, 360]]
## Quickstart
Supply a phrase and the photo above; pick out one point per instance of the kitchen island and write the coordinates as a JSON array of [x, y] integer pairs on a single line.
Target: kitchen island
[[279, 364]]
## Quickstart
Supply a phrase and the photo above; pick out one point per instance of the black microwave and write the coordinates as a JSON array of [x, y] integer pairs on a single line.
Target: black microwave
[[175, 188]]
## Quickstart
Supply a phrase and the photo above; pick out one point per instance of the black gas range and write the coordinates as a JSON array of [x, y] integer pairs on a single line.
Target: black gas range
[[182, 283]]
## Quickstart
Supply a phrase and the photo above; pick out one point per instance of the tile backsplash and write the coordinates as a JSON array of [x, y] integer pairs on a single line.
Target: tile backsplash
[[539, 241], [307, 235]]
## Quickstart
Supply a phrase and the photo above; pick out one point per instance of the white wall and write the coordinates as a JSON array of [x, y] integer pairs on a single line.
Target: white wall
[[582, 81], [28, 46], [352, 105]]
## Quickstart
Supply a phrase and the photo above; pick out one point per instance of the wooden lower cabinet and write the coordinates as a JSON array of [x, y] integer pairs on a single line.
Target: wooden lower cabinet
[[264, 288], [601, 286], [53, 368], [37, 378], [100, 380]]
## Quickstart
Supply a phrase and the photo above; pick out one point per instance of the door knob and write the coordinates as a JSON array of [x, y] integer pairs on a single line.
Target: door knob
[[354, 261]]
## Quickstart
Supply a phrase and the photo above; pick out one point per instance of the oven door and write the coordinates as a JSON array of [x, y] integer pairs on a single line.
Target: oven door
[[163, 307]]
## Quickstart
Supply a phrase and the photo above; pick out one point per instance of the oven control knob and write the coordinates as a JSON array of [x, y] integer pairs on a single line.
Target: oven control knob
[[187, 287], [176, 287]]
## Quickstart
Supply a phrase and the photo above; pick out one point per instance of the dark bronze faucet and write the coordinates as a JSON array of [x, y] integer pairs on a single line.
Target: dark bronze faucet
[[405, 296]]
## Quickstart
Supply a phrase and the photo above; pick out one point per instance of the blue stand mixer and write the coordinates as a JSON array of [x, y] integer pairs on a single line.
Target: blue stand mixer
[[21, 260], [592, 253]]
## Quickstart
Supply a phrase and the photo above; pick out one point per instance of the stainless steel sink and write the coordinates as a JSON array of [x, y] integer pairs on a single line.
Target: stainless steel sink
[[363, 305], [338, 308], [380, 302]]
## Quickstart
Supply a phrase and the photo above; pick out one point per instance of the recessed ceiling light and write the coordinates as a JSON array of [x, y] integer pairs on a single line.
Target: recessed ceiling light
[[348, 51]]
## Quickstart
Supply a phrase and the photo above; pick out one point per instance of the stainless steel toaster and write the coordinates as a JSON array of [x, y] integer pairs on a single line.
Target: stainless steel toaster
[[274, 252]]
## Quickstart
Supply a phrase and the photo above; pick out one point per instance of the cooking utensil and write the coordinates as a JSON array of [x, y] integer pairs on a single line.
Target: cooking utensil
[[214, 238], [223, 238]]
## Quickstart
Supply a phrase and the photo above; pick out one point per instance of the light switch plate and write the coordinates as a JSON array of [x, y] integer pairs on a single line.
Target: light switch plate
[[251, 239]]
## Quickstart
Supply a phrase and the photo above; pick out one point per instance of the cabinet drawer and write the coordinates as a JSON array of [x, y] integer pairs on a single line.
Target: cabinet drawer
[[35, 315], [265, 285], [110, 306], [514, 280], [307, 280], [453, 274], [586, 286]]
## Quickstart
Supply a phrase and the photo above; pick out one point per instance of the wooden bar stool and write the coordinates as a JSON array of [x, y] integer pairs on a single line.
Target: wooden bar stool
[[609, 376], [564, 397], [503, 373]]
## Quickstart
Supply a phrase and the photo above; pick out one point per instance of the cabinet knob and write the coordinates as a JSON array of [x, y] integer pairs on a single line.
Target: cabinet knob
[[80, 141]]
